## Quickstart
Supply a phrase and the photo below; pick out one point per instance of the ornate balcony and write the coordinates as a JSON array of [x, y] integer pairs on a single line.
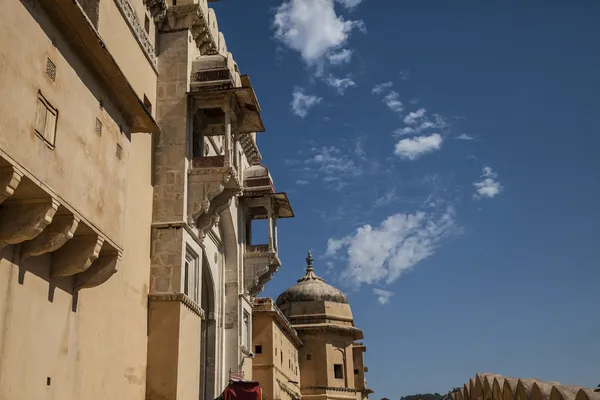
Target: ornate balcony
[[262, 202], [42, 223]]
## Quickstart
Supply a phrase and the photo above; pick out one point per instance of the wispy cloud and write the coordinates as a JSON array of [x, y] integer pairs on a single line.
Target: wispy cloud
[[488, 186], [350, 4], [387, 198], [464, 136], [383, 296], [312, 28], [340, 84], [415, 147], [381, 254], [302, 103], [381, 87], [340, 57], [414, 117], [333, 165], [302, 182], [404, 74], [392, 100]]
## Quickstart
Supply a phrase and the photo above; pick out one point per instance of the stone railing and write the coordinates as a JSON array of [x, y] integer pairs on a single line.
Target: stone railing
[[208, 162], [496, 387], [257, 248]]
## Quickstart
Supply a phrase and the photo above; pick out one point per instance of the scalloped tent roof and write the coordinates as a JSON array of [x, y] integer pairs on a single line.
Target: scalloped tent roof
[[486, 386]]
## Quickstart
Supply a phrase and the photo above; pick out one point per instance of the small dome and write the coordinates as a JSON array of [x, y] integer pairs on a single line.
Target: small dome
[[311, 288], [256, 171]]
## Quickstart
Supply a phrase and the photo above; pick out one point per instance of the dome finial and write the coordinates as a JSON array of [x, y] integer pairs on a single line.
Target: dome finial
[[309, 260], [310, 271]]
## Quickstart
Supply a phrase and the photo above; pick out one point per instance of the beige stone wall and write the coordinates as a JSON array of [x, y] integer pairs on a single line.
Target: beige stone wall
[[82, 167], [277, 365], [55, 345], [121, 42]]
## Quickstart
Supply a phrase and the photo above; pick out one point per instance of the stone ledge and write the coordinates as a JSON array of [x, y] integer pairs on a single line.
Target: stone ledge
[[180, 297]]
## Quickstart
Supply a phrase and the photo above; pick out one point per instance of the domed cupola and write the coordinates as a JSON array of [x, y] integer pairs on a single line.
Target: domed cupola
[[311, 288]]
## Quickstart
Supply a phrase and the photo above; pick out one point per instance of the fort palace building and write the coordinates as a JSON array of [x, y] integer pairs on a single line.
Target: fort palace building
[[129, 179]]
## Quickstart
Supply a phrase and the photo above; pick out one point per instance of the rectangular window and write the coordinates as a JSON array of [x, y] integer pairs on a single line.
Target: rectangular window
[[147, 23], [46, 118], [338, 371], [355, 372], [308, 357], [258, 349], [281, 354], [191, 276]]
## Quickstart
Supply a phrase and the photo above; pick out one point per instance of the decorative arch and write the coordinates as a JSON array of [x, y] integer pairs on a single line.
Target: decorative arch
[[509, 389], [477, 389], [563, 392], [488, 383], [524, 389], [497, 388], [541, 391]]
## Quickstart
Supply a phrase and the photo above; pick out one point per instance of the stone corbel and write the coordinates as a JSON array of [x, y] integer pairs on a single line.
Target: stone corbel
[[25, 219], [60, 230], [201, 206], [221, 203], [77, 255], [100, 271], [9, 180]]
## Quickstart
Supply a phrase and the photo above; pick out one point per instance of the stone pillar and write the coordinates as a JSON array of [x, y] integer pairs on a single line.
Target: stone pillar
[[227, 139], [270, 219]]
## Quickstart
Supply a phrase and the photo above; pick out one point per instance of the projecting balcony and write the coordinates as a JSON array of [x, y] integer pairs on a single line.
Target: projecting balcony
[[43, 223], [262, 203]]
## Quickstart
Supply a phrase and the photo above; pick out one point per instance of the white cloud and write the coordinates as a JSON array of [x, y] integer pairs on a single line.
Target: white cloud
[[392, 100], [312, 28], [414, 100], [302, 182], [350, 4], [403, 74], [340, 84], [383, 296], [302, 103], [379, 88], [414, 117], [340, 57], [413, 148], [488, 186], [383, 253], [464, 136]]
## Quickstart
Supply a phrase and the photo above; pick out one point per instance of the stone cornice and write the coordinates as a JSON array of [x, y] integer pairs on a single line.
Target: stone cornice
[[355, 333], [180, 297], [138, 32], [332, 388]]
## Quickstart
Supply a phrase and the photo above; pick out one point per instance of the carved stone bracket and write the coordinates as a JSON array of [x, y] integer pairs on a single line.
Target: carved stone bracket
[[260, 266], [221, 203], [10, 178], [77, 255], [23, 220], [53, 237], [100, 271], [199, 203]]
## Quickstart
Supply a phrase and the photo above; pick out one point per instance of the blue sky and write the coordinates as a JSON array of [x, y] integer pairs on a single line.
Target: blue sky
[[442, 161]]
